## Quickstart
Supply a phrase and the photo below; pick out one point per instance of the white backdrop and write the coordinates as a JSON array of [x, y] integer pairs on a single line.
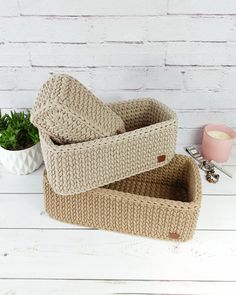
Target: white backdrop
[[182, 52]]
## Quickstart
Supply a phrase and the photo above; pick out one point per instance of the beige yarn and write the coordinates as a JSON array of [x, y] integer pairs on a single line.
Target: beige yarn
[[149, 143], [67, 111], [163, 203]]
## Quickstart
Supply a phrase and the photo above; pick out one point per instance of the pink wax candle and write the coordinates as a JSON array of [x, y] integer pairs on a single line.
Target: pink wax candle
[[217, 142]]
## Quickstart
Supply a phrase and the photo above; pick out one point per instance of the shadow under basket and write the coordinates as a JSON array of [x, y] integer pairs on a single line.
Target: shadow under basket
[[162, 203], [149, 142]]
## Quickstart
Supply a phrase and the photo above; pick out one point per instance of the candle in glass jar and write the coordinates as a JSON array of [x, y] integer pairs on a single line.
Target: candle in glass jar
[[219, 134], [217, 142]]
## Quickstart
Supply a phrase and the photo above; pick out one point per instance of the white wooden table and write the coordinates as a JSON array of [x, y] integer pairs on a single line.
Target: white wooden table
[[39, 255]]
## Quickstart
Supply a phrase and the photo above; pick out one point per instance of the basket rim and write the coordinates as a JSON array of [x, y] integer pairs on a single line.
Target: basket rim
[[118, 138], [151, 201], [172, 204]]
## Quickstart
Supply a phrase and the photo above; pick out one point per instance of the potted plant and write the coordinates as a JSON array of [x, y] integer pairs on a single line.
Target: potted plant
[[20, 150]]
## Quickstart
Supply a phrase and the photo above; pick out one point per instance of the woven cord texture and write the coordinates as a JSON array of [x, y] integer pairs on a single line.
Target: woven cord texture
[[162, 203], [67, 111], [76, 168]]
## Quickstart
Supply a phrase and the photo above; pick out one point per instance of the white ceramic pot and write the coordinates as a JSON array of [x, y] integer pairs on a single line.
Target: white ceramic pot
[[22, 161]]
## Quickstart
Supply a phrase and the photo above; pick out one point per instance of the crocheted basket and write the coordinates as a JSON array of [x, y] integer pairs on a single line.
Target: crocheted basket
[[67, 111], [149, 143], [163, 203]]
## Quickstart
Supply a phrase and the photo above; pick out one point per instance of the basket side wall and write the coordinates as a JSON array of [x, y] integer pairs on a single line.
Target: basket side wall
[[117, 213], [79, 170]]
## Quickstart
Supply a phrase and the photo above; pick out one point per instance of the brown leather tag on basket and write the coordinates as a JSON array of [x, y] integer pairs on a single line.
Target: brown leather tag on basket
[[119, 131], [161, 158], [174, 236]]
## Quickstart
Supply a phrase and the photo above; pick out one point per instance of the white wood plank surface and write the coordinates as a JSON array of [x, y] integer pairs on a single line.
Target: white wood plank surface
[[72, 254], [202, 7], [9, 9], [89, 7], [88, 287], [18, 184]]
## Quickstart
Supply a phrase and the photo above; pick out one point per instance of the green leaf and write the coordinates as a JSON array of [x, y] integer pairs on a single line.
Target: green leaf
[[17, 132]]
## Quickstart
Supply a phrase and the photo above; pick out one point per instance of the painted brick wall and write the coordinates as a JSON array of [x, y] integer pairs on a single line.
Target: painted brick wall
[[182, 52]]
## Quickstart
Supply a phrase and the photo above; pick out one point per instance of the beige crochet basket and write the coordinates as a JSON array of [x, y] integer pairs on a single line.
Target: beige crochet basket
[[163, 203], [149, 143], [67, 111]]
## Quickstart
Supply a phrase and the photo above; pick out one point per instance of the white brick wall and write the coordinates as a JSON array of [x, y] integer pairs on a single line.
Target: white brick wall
[[182, 52]]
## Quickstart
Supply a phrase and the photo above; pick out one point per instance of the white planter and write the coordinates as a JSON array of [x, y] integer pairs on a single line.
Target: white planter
[[23, 161]]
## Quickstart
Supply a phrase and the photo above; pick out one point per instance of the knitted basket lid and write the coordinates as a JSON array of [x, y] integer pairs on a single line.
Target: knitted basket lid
[[67, 111]]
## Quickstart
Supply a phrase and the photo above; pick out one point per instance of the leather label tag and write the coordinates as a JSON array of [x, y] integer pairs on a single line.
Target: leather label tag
[[161, 158], [174, 236]]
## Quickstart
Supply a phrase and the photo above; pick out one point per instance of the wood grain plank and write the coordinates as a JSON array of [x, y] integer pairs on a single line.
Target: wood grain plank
[[106, 255], [217, 7], [89, 7], [31, 183], [89, 287], [9, 8]]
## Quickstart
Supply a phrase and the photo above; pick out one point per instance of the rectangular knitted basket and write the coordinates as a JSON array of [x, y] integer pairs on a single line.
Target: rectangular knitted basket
[[149, 143], [69, 113], [162, 203]]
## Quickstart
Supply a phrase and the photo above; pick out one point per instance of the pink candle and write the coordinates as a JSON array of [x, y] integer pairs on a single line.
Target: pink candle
[[217, 142]]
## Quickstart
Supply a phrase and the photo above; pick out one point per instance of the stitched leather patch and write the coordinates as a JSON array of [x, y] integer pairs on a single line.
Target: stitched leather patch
[[174, 236], [161, 158], [118, 131]]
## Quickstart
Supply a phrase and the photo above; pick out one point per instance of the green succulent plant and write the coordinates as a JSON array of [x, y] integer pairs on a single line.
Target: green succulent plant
[[17, 132]]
